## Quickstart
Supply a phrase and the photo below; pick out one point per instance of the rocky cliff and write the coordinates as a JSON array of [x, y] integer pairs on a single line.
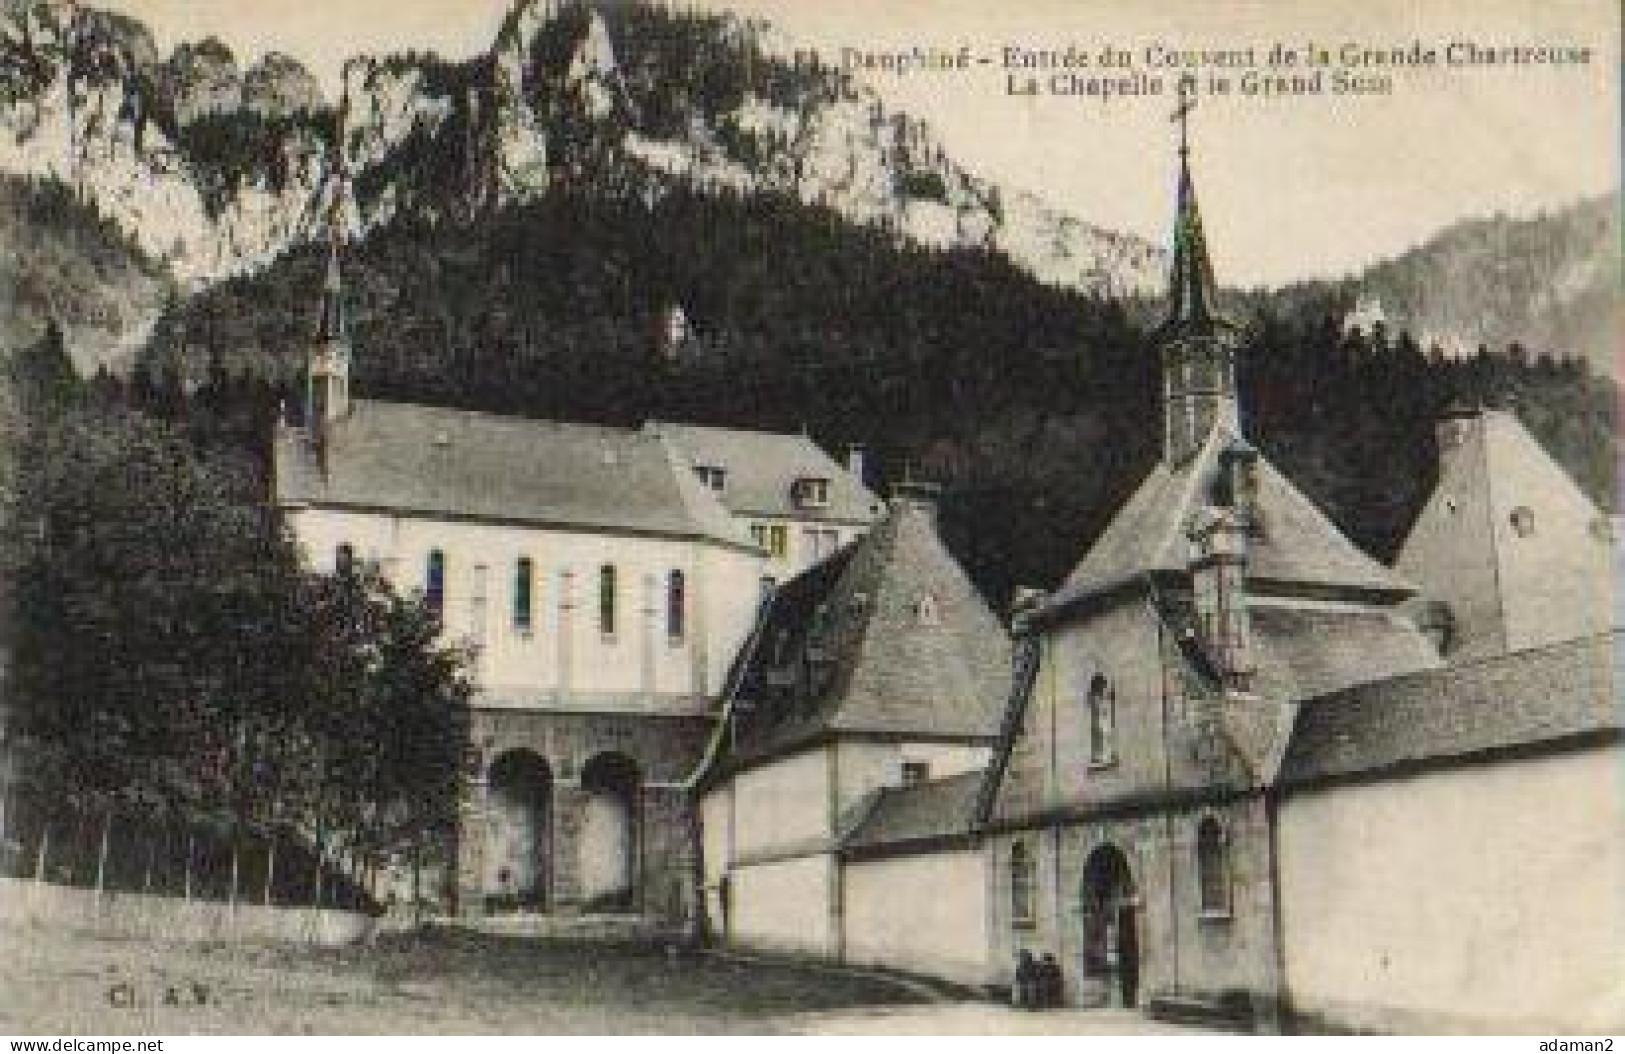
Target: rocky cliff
[[215, 171]]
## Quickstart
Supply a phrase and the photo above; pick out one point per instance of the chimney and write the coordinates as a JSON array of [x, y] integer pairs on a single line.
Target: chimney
[[1220, 538], [1024, 601], [914, 493], [857, 463], [1454, 428]]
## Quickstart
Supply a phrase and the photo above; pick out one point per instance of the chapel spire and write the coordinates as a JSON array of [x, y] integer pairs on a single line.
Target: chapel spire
[[328, 397], [1191, 288], [1197, 344]]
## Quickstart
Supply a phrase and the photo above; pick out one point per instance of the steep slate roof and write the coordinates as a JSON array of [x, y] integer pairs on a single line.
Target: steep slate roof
[[1502, 590], [1299, 546], [1306, 652], [761, 468], [924, 812], [1513, 701], [846, 651], [459, 464]]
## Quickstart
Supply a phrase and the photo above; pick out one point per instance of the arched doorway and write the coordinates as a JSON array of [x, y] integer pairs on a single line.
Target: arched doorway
[[1111, 934], [611, 786], [518, 868]]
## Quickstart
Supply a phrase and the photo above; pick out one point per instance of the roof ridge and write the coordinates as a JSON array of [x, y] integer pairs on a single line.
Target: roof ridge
[[1476, 663], [493, 416]]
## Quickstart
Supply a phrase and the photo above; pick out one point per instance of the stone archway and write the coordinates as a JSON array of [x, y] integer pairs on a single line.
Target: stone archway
[[1109, 912], [611, 786], [518, 872]]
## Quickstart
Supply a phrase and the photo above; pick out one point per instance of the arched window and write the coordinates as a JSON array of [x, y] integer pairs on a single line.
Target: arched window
[[1213, 867], [1022, 875], [676, 606], [434, 581], [344, 559], [606, 600], [524, 590], [1102, 707]]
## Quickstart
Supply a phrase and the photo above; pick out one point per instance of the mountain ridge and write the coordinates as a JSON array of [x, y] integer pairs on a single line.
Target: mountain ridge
[[152, 140]]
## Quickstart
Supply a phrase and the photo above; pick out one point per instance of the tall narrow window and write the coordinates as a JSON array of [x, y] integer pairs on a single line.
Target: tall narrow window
[[778, 540], [606, 600], [1213, 867], [524, 591], [434, 582], [477, 602], [1102, 705], [1022, 873], [344, 559], [676, 606]]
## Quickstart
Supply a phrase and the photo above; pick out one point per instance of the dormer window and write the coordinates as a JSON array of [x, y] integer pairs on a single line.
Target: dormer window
[[812, 492], [712, 476]]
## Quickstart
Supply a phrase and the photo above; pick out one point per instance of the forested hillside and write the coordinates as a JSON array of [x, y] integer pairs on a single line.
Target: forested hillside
[[1549, 282]]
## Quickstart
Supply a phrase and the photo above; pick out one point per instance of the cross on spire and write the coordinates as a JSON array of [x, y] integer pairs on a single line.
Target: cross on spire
[[1191, 294], [1182, 111]]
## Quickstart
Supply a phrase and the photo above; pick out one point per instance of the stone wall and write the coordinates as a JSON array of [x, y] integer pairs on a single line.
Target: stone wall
[[664, 752], [1183, 950]]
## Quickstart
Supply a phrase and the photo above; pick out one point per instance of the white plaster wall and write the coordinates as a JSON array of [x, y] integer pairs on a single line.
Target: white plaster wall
[[783, 806], [564, 653], [926, 913], [716, 847], [1483, 898], [784, 905], [716, 832]]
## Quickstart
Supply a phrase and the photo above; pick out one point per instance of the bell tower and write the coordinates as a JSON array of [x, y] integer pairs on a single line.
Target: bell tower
[[1198, 346], [327, 397]]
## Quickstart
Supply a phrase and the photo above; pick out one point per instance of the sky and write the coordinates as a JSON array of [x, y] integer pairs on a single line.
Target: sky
[[1292, 187]]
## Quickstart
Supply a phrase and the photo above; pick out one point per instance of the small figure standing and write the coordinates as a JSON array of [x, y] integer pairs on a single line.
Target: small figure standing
[[1051, 986], [1024, 994]]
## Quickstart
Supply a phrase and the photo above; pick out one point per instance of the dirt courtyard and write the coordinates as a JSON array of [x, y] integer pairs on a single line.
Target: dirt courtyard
[[454, 982]]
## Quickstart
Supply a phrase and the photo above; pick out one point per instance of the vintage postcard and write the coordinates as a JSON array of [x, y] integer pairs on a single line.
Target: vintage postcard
[[926, 517]]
